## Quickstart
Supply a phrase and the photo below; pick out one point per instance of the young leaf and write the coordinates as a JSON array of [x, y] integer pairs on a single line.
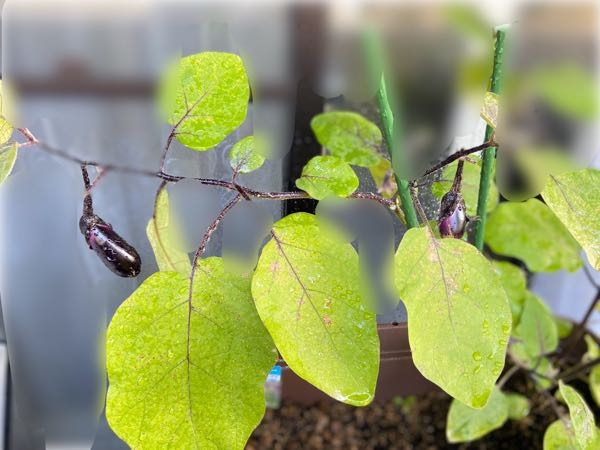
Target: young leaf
[[559, 436], [574, 197], [489, 110], [244, 157], [459, 320], [163, 236], [466, 424], [563, 326], [188, 376], [349, 136], [536, 333], [307, 291], [6, 129], [470, 186], [582, 418], [383, 176], [518, 406], [323, 176], [8, 156], [594, 382], [530, 232], [206, 97], [515, 285]]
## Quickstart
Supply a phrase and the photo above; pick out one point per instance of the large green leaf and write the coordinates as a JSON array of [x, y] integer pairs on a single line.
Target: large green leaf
[[8, 156], [559, 436], [244, 157], [165, 239], [470, 186], [206, 97], [514, 283], [575, 198], [530, 232], [323, 176], [307, 291], [582, 418], [536, 334], [459, 319], [188, 376], [349, 136], [467, 424]]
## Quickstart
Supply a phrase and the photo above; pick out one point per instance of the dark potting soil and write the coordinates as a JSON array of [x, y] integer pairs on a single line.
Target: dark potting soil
[[416, 422]]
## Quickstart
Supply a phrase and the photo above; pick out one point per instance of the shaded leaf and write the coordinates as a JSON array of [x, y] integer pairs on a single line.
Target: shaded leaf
[[530, 232], [383, 176], [559, 436], [306, 287], [8, 157], [188, 377], [244, 157], [563, 326], [349, 136], [582, 418], [489, 110], [575, 197], [206, 96], [470, 186], [323, 176], [165, 239], [466, 424], [459, 317], [518, 406]]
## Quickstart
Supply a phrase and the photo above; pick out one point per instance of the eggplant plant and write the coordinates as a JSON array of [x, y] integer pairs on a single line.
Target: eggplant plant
[[188, 352]]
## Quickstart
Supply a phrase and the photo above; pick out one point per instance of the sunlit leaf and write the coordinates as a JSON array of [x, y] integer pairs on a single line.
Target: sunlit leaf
[[165, 238], [470, 186], [206, 97], [306, 287], [6, 129], [489, 110], [532, 233], [575, 197], [244, 157], [559, 436], [349, 136], [8, 156], [323, 176], [466, 424], [584, 427], [518, 406], [188, 377], [514, 283], [459, 318]]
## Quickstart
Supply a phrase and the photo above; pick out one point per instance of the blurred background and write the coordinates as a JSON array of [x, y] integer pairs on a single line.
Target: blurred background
[[84, 73]]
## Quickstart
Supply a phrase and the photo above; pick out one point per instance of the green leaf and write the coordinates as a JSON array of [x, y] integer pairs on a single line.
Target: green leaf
[[568, 88], [184, 377], [6, 129], [466, 424], [165, 239], [563, 326], [582, 418], [574, 197], [594, 382], [349, 136], [323, 176], [515, 285], [518, 406], [470, 186], [205, 96], [306, 287], [530, 232], [8, 156], [593, 351], [244, 156], [459, 319], [536, 334], [489, 110], [558, 437], [383, 176]]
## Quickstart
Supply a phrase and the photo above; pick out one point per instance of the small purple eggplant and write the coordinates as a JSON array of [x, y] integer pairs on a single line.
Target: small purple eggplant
[[114, 251], [453, 219]]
